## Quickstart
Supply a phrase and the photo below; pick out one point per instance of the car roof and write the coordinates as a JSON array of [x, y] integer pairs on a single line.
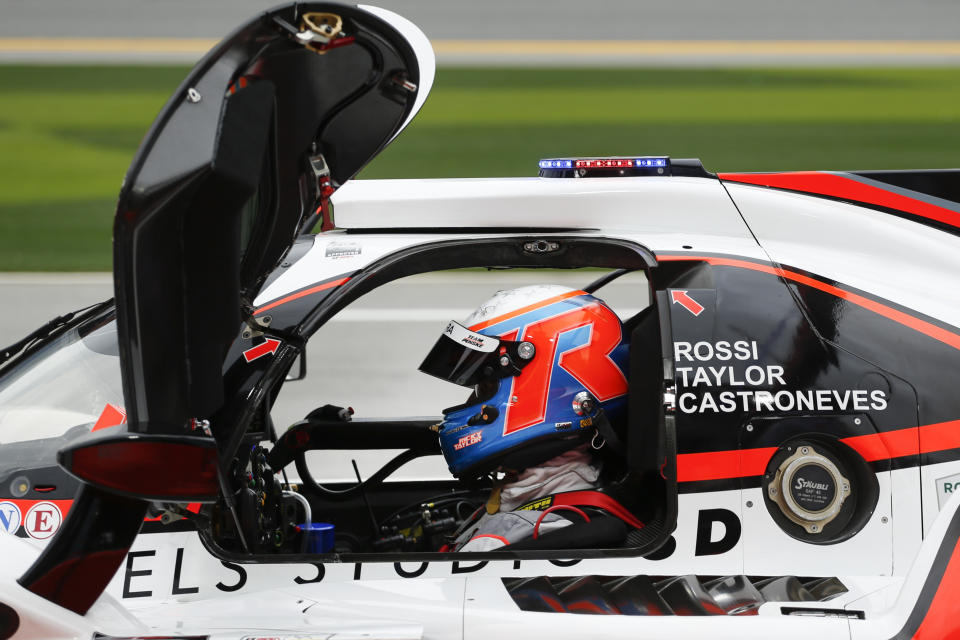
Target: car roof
[[654, 204]]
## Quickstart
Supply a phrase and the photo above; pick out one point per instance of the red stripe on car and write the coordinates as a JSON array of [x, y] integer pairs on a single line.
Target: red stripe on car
[[744, 463], [300, 294], [836, 186]]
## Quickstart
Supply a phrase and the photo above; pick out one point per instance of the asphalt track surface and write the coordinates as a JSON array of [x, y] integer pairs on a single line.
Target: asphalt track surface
[[525, 32], [366, 357]]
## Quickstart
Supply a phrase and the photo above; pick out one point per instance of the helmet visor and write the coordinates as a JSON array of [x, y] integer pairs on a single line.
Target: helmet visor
[[465, 357]]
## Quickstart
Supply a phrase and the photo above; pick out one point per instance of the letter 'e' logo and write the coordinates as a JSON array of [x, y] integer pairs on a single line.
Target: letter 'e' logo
[[9, 517], [42, 520]]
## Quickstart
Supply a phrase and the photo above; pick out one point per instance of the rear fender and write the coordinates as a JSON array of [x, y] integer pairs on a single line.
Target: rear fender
[[926, 606]]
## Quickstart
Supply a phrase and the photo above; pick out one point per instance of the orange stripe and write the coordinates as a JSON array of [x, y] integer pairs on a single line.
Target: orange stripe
[[300, 294], [940, 436], [940, 620], [522, 310], [935, 332], [24, 504], [886, 445], [719, 465]]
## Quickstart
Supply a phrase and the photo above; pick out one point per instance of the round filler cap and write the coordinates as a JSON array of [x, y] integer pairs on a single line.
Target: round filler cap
[[809, 488]]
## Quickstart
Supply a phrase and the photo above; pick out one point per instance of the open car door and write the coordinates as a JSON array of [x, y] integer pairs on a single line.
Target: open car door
[[272, 120], [240, 161]]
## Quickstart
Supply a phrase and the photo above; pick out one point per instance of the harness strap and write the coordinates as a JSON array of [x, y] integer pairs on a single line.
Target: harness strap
[[598, 500]]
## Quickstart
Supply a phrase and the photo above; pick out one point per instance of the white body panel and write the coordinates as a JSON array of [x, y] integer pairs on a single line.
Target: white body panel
[[469, 605], [662, 214], [685, 208], [887, 256], [421, 46], [773, 552], [491, 613], [938, 484], [335, 253], [40, 618]]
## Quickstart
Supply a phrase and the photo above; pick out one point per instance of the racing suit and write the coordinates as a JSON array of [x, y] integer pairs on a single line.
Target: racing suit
[[503, 523]]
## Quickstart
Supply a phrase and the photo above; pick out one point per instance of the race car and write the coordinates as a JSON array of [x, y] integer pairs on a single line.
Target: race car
[[791, 441]]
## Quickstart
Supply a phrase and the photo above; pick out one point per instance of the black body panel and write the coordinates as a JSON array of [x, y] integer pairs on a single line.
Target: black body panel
[[759, 308], [80, 561], [218, 190], [939, 183]]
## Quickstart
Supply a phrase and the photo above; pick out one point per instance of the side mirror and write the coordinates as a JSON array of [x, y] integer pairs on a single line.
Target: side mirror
[[298, 370]]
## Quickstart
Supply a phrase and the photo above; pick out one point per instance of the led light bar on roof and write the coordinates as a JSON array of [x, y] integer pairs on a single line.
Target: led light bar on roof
[[651, 162], [604, 167], [605, 163], [556, 164]]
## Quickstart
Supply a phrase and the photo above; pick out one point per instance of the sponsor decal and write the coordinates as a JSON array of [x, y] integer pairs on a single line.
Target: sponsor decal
[[468, 440], [749, 386], [562, 426], [472, 340], [537, 505], [713, 540], [946, 487], [42, 520], [476, 341], [9, 517], [809, 484], [140, 577], [815, 489], [338, 250]]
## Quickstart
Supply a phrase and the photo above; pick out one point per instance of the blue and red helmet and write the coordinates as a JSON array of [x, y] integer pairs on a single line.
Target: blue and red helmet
[[543, 361]]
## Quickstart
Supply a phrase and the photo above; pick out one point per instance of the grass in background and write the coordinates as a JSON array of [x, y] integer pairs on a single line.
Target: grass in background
[[67, 134]]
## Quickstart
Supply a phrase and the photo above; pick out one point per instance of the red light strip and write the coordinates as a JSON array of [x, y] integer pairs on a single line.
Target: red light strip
[[608, 163]]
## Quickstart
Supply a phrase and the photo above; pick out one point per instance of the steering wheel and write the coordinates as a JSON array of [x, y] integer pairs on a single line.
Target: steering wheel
[[415, 437]]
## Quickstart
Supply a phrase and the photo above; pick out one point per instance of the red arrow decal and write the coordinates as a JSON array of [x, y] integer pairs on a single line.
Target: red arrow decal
[[680, 296], [269, 345], [111, 416]]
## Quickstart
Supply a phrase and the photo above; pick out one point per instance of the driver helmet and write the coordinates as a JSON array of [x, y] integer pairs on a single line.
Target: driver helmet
[[543, 361]]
